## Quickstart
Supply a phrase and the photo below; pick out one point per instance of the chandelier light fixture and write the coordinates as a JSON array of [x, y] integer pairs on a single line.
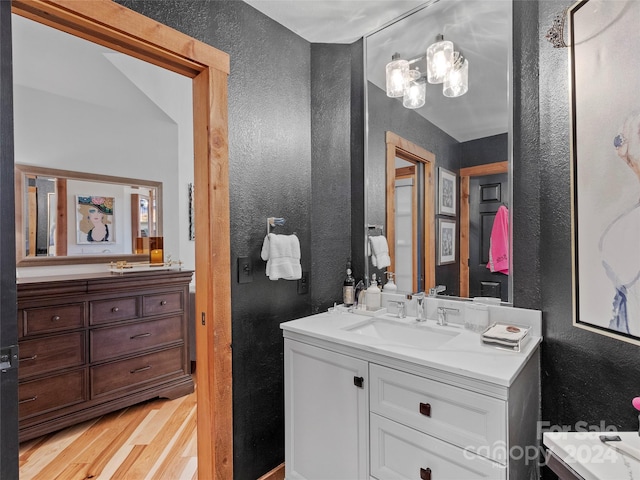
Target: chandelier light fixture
[[444, 65]]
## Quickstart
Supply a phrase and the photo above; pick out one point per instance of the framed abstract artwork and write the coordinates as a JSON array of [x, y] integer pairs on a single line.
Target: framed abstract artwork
[[446, 241], [605, 166], [446, 192]]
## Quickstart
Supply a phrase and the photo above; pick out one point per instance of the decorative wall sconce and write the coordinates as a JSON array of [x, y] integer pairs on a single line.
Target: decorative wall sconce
[[555, 35], [444, 65]]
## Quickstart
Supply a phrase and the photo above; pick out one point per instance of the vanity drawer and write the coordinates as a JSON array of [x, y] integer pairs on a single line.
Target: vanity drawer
[[401, 452], [52, 318], [170, 302], [112, 310], [51, 393], [44, 355], [113, 342], [464, 418], [134, 372]]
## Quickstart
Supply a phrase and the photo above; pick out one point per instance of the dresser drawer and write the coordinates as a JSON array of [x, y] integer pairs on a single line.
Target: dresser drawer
[[44, 355], [51, 393], [401, 452], [112, 310], [170, 302], [113, 342], [134, 372], [464, 418], [52, 318]]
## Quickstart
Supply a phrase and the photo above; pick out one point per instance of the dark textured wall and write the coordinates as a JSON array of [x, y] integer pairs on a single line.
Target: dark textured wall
[[585, 376], [484, 150], [8, 324], [388, 114], [330, 171], [276, 169]]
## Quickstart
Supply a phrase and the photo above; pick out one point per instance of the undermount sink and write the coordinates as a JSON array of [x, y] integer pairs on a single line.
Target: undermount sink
[[413, 335]]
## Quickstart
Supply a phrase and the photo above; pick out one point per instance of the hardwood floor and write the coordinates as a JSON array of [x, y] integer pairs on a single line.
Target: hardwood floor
[[151, 440]]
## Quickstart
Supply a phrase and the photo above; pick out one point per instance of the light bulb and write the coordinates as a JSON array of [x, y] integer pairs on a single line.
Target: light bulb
[[439, 60], [416, 91], [397, 70], [456, 83]]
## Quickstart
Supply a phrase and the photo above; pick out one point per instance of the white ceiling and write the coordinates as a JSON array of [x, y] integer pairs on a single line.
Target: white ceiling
[[481, 29]]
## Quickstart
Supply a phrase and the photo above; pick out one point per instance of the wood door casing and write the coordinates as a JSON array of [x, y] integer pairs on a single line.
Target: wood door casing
[[114, 26], [400, 147], [465, 175]]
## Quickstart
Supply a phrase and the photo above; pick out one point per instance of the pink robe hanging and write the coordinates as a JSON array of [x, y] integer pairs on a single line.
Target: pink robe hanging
[[499, 243]]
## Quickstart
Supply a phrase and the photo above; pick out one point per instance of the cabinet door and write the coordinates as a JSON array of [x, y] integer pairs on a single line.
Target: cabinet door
[[326, 414]]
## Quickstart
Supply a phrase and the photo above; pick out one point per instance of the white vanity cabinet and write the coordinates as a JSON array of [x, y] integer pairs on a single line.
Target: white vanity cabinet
[[361, 408], [327, 414]]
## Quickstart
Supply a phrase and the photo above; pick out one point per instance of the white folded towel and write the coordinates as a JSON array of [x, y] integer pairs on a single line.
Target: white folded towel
[[282, 254], [379, 251]]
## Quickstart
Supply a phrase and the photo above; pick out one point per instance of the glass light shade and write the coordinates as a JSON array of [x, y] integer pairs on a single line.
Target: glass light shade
[[397, 71], [457, 82], [439, 61], [416, 91]]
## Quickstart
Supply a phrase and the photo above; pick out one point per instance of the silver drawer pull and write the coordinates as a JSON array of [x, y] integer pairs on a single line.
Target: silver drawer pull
[[55, 318], [25, 359], [138, 370], [140, 335], [115, 309], [27, 400], [163, 303]]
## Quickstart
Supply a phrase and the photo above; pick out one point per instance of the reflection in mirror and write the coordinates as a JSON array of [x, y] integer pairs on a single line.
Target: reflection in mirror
[[94, 218], [462, 135]]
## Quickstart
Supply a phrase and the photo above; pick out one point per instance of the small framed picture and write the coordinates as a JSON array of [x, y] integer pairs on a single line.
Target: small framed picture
[[446, 192], [95, 219], [446, 241]]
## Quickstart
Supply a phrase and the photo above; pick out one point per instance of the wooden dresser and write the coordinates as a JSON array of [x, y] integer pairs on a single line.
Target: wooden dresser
[[90, 344]]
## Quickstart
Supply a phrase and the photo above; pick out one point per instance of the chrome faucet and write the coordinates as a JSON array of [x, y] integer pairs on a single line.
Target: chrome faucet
[[442, 314], [420, 316], [436, 290], [402, 313]]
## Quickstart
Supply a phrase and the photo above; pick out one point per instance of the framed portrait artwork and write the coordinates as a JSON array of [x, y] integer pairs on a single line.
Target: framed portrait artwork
[[605, 166], [95, 219], [446, 192], [446, 241]]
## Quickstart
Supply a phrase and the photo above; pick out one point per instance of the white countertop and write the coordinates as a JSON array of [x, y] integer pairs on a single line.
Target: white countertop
[[592, 459], [463, 355]]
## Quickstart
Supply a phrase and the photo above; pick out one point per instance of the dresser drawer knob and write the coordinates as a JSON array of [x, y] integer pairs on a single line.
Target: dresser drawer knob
[[140, 335], [425, 409], [425, 474], [115, 309], [142, 369], [26, 359], [27, 400], [163, 303], [55, 318]]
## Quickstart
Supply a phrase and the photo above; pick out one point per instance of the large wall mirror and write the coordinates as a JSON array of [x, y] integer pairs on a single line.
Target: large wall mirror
[[58, 215], [101, 126], [462, 140]]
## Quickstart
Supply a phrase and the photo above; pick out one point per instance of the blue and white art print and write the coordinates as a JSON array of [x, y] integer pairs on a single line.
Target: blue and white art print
[[605, 86]]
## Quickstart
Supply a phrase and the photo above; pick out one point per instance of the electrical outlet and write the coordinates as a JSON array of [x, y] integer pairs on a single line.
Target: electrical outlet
[[303, 284], [245, 271]]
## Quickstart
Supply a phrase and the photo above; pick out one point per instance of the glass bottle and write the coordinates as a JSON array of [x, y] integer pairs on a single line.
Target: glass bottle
[[348, 288]]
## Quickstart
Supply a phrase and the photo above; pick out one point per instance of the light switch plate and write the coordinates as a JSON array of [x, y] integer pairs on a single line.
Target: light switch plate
[[245, 270]]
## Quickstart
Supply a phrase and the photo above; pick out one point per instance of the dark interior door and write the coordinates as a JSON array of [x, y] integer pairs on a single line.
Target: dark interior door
[[486, 194], [8, 322]]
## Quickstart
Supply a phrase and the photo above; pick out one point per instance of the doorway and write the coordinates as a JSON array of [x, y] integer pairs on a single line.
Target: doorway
[[111, 25], [493, 177], [410, 163]]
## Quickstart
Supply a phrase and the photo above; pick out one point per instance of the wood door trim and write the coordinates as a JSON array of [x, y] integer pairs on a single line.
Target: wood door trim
[[398, 146], [112, 25], [465, 179]]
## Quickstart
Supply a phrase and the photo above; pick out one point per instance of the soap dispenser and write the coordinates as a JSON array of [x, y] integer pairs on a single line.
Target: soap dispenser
[[390, 286], [373, 295]]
